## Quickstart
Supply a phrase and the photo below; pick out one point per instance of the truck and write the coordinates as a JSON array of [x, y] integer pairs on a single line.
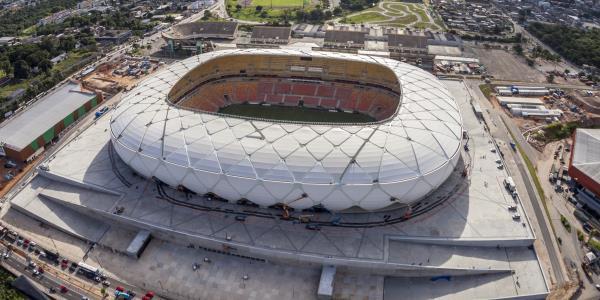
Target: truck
[[509, 184], [581, 216]]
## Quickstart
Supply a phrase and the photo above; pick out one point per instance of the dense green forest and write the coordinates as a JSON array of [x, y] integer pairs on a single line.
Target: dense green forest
[[577, 45], [13, 22], [20, 60], [118, 19]]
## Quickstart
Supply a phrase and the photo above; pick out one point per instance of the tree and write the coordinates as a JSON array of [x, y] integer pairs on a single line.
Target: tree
[[21, 70], [238, 7], [337, 11], [4, 64], [258, 8], [264, 14], [530, 62], [550, 78], [67, 43], [207, 15], [518, 49], [36, 57], [48, 44], [286, 16], [316, 15], [170, 19], [45, 65], [567, 71], [576, 45]]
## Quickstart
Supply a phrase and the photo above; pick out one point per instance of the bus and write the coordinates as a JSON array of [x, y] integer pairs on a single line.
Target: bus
[[88, 271], [88, 268]]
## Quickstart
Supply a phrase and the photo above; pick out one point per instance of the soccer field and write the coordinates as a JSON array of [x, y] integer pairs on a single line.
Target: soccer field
[[279, 3], [295, 113]]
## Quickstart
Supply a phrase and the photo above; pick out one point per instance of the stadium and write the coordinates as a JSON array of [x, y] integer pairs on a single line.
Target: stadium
[[294, 128]]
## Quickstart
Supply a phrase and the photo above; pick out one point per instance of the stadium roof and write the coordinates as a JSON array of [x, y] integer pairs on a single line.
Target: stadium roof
[[586, 155], [19, 131], [271, 32], [203, 30], [405, 157], [342, 36], [412, 40]]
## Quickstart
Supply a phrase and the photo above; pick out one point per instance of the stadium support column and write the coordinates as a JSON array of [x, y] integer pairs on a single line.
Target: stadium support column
[[199, 45], [171, 47]]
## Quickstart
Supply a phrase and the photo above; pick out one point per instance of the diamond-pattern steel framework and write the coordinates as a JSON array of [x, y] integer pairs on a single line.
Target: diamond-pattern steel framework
[[404, 158]]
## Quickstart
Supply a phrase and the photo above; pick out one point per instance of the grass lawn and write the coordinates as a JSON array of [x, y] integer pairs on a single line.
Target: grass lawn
[[367, 17], [425, 25], [403, 21], [419, 10], [71, 59], [396, 7], [6, 90], [277, 3], [29, 30], [294, 114], [249, 13], [486, 89]]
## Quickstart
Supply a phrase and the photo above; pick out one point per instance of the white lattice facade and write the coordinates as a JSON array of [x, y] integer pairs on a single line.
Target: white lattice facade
[[400, 159]]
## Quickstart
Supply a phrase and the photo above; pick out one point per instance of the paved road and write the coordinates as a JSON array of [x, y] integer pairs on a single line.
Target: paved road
[[47, 280], [502, 134], [531, 153], [539, 214]]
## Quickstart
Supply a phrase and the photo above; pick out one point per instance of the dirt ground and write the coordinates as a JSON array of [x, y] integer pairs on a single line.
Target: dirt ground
[[6, 185], [504, 65]]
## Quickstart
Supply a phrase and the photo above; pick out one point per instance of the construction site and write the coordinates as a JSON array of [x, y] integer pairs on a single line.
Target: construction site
[[119, 74], [540, 111]]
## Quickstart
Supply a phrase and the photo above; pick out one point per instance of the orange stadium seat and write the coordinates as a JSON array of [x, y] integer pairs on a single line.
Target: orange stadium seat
[[291, 100], [304, 89], [325, 91], [375, 102], [274, 98], [265, 87], [329, 103], [343, 92], [283, 88], [311, 101]]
